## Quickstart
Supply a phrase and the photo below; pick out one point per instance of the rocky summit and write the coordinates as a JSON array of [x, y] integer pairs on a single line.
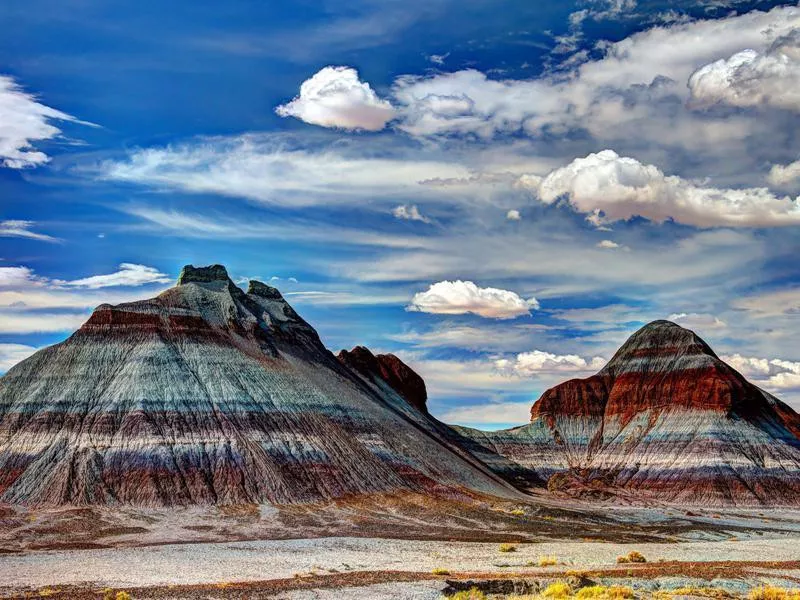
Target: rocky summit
[[665, 419], [208, 394]]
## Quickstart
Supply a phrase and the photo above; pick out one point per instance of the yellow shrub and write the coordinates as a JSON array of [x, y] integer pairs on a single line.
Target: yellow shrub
[[769, 592], [558, 591], [471, 594], [440, 571], [619, 592], [123, 596], [518, 512], [632, 557], [547, 561], [508, 548], [592, 591]]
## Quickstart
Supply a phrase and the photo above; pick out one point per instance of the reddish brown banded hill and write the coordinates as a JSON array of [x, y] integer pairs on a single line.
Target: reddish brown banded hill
[[664, 420], [208, 394]]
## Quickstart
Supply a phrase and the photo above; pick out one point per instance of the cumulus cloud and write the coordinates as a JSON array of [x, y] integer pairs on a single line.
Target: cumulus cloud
[[22, 229], [752, 78], [701, 321], [513, 215], [607, 245], [11, 354], [781, 175], [409, 212], [538, 362], [129, 274], [461, 297], [621, 94], [774, 375], [608, 187], [24, 121], [335, 97]]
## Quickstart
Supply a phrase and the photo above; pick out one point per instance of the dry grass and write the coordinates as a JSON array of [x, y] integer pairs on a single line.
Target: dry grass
[[440, 571], [702, 592], [547, 561], [632, 557], [471, 594], [768, 592], [601, 592], [508, 548], [518, 512]]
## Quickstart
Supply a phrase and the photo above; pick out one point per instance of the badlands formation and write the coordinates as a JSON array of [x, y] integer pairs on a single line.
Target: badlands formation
[[209, 395]]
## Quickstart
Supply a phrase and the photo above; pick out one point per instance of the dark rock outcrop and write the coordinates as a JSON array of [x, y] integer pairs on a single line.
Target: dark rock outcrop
[[390, 370]]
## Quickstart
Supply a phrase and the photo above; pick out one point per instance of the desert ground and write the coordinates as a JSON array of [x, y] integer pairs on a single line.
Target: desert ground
[[337, 551]]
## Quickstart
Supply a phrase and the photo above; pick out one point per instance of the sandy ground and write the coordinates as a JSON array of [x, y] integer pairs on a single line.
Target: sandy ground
[[277, 559]]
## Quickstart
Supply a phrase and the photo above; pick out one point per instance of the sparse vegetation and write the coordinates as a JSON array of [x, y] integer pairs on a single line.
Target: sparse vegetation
[[547, 561], [109, 594], [518, 512], [508, 548], [601, 592], [557, 590], [702, 592], [440, 571], [470, 594], [768, 592], [631, 557]]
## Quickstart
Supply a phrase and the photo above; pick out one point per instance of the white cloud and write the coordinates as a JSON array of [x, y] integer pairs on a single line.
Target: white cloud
[[30, 303], [619, 188], [752, 78], [700, 321], [496, 413], [513, 215], [21, 322], [336, 97], [538, 362], [129, 274], [774, 375], [438, 59], [11, 354], [461, 297], [409, 212], [22, 229], [24, 121], [781, 175], [269, 169], [771, 303], [636, 92], [607, 245]]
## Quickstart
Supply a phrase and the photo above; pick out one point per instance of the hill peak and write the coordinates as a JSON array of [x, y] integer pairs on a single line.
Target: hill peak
[[192, 274]]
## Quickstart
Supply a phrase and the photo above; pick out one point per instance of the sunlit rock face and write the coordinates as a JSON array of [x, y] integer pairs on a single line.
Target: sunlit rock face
[[665, 420], [389, 370], [208, 394]]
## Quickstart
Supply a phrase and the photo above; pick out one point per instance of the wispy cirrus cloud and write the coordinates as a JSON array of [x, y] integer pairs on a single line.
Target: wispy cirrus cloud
[[24, 121], [22, 229]]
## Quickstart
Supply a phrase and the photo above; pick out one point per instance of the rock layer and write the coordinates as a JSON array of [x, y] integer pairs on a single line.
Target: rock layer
[[665, 419], [207, 394]]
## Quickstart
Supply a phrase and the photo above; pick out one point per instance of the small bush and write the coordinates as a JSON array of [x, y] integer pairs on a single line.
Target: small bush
[[768, 592], [547, 561], [518, 512], [123, 596], [470, 594], [592, 591], [440, 571], [632, 557], [508, 548], [558, 590]]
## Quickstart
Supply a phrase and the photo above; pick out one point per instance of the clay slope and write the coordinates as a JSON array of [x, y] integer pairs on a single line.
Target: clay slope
[[207, 394], [665, 419]]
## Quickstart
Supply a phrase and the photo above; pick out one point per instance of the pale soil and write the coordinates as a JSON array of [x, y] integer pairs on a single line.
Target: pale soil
[[260, 561]]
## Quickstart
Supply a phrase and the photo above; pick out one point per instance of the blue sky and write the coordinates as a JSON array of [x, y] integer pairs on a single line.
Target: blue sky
[[500, 193]]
